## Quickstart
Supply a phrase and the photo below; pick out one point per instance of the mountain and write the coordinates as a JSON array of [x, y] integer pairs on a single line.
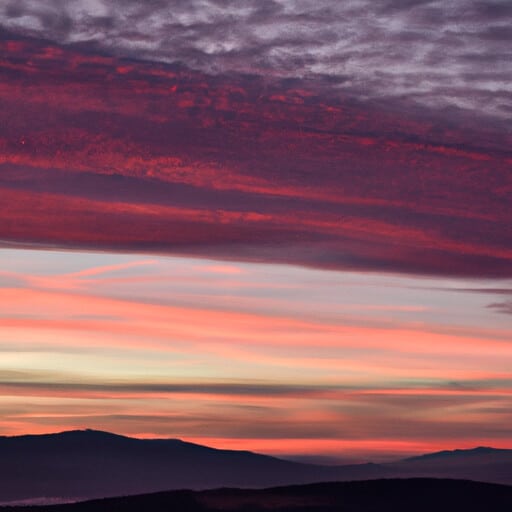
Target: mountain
[[420, 495], [480, 451], [86, 464], [483, 464]]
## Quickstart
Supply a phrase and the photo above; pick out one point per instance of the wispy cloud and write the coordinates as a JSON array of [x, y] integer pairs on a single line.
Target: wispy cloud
[[314, 372], [502, 307], [273, 418]]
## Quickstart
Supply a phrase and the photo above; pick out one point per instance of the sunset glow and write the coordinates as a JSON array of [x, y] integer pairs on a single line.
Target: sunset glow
[[268, 358], [286, 230]]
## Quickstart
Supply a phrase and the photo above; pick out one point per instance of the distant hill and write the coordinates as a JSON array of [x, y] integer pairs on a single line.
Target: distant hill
[[418, 495], [483, 464], [85, 464], [480, 451]]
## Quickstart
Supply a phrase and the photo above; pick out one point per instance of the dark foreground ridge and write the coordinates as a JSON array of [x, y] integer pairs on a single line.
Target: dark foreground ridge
[[87, 464], [419, 495]]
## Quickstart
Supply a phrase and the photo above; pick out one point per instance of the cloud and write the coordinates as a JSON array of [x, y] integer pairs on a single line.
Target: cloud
[[275, 412], [392, 49], [49, 322], [362, 381], [48, 383], [100, 152], [502, 307], [487, 290]]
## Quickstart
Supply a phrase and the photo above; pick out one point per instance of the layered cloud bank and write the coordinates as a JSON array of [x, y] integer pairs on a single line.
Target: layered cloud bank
[[109, 153], [283, 360], [452, 54]]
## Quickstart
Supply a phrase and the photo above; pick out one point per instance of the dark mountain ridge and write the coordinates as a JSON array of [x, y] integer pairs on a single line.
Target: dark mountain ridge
[[85, 464], [471, 452]]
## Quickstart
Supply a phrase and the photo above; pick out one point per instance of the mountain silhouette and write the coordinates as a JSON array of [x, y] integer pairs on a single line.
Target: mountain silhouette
[[85, 464], [452, 454], [483, 463]]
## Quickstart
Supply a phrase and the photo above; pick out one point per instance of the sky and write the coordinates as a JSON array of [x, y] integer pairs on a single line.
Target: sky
[[281, 226]]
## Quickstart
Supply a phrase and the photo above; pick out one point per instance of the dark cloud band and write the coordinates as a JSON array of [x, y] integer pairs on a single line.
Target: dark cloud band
[[105, 153]]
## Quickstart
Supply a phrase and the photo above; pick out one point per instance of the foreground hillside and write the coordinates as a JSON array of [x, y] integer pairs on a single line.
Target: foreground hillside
[[418, 495]]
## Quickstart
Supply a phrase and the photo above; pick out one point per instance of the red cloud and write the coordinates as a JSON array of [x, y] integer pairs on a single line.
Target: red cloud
[[103, 153]]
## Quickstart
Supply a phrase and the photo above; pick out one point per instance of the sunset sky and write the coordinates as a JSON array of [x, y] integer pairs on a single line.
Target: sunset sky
[[275, 225]]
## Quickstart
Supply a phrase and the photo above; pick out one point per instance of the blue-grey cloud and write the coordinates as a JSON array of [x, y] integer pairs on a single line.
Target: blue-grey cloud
[[432, 52]]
